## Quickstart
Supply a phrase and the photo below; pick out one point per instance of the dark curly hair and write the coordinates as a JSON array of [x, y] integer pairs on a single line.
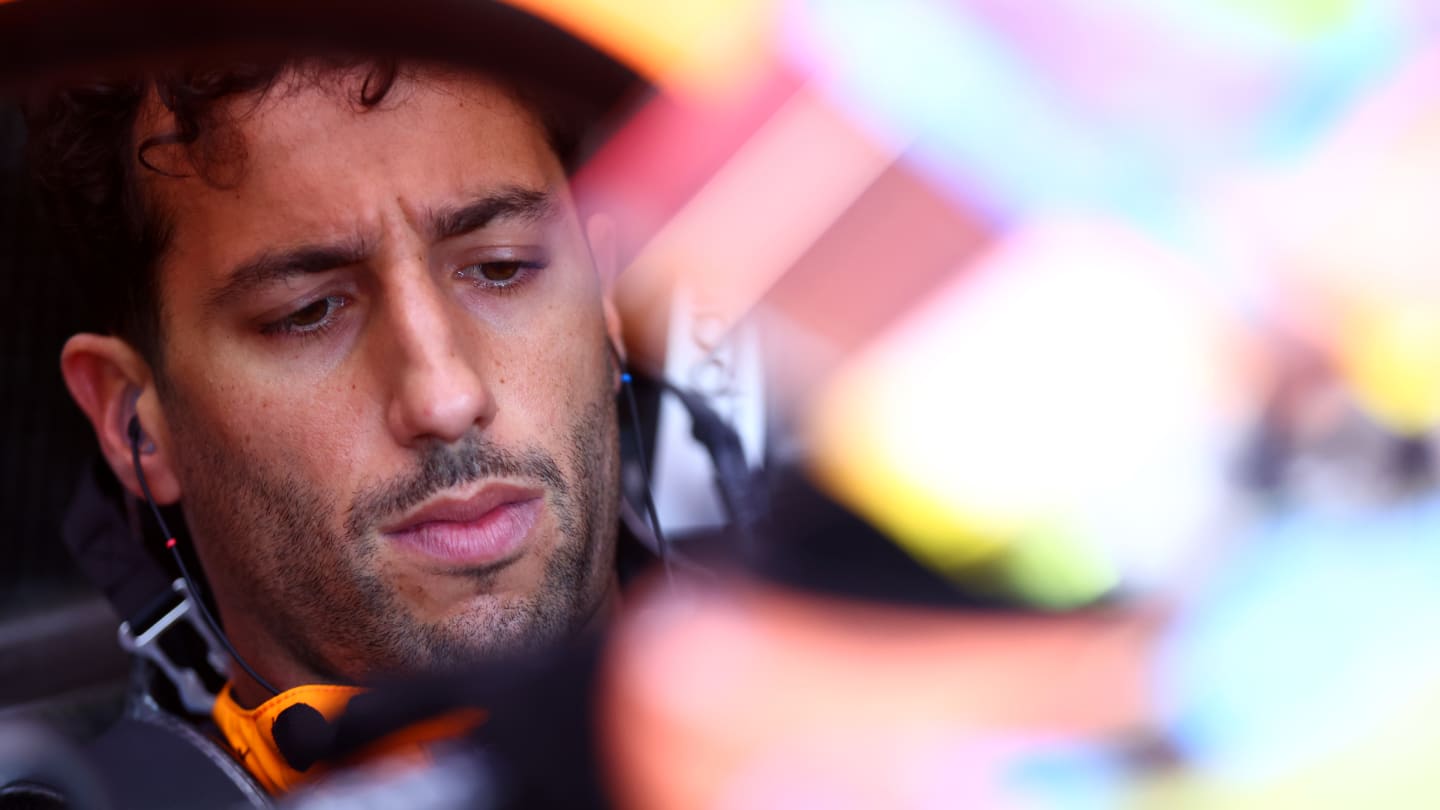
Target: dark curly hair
[[86, 163]]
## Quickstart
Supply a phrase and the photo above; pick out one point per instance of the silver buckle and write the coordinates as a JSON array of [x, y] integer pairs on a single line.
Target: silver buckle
[[193, 694]]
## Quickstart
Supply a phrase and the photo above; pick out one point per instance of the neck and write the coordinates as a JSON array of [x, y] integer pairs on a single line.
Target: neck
[[285, 673], [271, 662], [246, 691]]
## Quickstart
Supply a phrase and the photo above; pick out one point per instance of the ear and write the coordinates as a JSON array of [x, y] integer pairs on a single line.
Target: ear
[[111, 383], [604, 252]]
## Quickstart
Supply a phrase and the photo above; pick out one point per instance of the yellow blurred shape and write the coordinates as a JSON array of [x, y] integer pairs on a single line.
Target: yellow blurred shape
[[1390, 352], [1057, 570], [699, 46]]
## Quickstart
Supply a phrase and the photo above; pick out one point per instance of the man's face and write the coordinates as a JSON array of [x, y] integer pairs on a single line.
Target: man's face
[[385, 379]]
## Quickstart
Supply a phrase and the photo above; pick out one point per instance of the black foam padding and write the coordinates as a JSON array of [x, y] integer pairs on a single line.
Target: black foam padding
[[814, 544]]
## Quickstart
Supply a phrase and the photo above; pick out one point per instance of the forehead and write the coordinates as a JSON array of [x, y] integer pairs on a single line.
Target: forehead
[[308, 160]]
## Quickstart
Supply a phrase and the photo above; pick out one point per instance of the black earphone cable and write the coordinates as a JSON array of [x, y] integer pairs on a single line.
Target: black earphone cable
[[198, 598], [662, 546]]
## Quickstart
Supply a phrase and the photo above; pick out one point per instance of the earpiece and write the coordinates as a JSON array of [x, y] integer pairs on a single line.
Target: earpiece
[[137, 436], [133, 431]]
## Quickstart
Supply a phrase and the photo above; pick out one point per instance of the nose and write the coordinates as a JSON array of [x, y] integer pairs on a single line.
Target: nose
[[437, 390]]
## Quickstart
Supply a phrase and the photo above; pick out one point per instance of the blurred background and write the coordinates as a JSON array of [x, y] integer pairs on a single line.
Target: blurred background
[[1122, 316], [1123, 313]]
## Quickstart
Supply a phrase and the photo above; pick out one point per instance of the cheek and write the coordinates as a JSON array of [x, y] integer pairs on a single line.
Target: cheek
[[299, 430], [556, 375]]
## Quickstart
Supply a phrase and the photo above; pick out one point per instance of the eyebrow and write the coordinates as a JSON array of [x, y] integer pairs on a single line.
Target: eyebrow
[[279, 265], [271, 266], [508, 203]]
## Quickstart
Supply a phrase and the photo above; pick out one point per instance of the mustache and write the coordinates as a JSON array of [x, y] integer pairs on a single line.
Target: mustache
[[446, 466]]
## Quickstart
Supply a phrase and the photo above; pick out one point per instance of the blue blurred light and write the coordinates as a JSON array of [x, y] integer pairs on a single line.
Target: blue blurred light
[[1074, 776], [1317, 631]]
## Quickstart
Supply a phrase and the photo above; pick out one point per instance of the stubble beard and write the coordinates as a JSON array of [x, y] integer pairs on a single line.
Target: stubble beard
[[316, 591]]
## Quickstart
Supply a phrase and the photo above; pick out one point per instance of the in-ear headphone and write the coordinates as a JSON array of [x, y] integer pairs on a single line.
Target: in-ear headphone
[[137, 436], [133, 431]]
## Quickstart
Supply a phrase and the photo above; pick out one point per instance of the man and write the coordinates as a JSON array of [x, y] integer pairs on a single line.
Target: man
[[367, 338]]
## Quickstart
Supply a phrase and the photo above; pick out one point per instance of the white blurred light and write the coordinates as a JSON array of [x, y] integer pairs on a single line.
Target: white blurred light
[[1069, 383]]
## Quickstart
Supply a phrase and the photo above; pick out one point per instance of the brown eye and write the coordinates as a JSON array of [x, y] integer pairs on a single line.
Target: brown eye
[[309, 319], [499, 271], [501, 275], [310, 315]]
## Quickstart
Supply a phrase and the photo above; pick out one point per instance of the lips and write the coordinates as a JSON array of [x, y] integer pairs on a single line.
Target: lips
[[485, 528]]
